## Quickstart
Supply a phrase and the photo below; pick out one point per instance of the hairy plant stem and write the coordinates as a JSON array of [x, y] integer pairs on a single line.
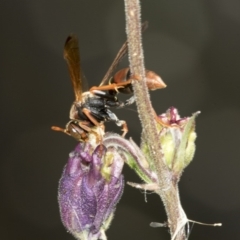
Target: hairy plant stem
[[177, 218], [168, 189], [136, 61]]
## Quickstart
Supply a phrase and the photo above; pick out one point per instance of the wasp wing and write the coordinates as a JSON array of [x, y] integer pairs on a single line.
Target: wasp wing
[[121, 53], [71, 55]]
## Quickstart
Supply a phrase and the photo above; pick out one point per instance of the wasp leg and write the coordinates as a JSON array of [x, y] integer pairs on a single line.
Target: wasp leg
[[124, 126], [84, 126], [130, 101], [120, 123], [90, 117], [112, 86]]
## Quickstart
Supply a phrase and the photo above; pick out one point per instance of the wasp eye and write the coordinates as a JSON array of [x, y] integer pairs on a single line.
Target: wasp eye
[[76, 131]]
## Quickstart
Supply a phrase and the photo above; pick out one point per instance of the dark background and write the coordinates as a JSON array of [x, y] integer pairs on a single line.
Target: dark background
[[193, 44]]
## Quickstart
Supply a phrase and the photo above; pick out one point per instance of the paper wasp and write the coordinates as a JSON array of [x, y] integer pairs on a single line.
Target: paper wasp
[[92, 108]]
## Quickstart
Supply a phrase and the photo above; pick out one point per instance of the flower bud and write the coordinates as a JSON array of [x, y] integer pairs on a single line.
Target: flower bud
[[177, 137], [89, 189]]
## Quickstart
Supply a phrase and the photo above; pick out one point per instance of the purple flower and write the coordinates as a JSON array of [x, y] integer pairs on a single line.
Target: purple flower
[[89, 189]]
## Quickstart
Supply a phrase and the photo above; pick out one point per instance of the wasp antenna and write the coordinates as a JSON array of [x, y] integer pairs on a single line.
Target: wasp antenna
[[58, 129]]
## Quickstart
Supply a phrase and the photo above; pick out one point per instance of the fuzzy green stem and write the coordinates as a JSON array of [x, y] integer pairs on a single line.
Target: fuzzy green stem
[[136, 60], [177, 218], [168, 189]]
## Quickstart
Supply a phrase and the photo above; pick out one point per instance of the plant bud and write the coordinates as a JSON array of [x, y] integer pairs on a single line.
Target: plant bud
[[89, 189], [177, 137]]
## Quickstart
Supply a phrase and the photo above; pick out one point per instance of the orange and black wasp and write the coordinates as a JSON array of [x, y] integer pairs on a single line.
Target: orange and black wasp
[[92, 108]]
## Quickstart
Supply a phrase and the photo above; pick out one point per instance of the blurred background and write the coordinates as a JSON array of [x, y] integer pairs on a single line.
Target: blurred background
[[193, 44]]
